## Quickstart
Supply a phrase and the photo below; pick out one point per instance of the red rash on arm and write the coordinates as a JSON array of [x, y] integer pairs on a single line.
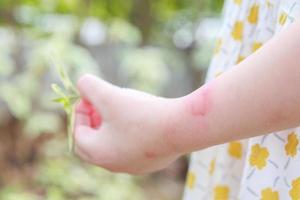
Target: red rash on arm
[[199, 102], [190, 125]]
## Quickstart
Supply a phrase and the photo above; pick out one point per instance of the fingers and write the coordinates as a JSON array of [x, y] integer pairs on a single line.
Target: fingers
[[86, 115], [82, 114], [98, 92], [94, 146], [82, 154], [85, 136], [95, 119], [86, 141]]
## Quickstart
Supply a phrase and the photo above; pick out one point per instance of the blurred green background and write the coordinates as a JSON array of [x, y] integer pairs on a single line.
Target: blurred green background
[[158, 46]]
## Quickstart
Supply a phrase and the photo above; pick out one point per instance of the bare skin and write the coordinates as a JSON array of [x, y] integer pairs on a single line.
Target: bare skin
[[133, 132]]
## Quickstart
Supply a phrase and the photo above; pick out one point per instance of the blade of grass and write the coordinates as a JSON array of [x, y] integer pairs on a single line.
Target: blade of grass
[[58, 90], [67, 97], [65, 79], [71, 130]]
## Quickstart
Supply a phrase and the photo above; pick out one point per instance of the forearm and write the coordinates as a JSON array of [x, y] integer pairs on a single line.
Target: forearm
[[256, 97]]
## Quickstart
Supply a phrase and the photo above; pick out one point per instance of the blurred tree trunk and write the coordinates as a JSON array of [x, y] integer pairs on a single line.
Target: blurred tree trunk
[[7, 14], [141, 17], [18, 152], [194, 73]]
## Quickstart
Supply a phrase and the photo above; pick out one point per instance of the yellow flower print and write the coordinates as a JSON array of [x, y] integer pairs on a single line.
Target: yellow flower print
[[292, 144], [218, 46], [268, 194], [191, 180], [235, 149], [240, 59], [256, 45], [259, 156], [282, 18], [254, 14], [221, 192], [295, 191], [212, 166], [238, 2], [238, 29]]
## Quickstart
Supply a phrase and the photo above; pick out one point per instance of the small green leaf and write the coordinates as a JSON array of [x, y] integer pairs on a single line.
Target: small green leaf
[[67, 97], [65, 79], [59, 100], [58, 91]]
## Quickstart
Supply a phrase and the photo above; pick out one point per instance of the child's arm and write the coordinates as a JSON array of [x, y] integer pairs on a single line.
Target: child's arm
[[256, 97], [141, 133], [261, 94]]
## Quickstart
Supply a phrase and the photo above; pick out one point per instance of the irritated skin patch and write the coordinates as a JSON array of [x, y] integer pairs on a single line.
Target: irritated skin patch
[[84, 107], [95, 120], [192, 132], [150, 155], [199, 103]]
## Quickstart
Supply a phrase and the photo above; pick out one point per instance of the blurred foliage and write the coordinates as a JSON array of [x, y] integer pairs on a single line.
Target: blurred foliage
[[138, 43], [74, 180]]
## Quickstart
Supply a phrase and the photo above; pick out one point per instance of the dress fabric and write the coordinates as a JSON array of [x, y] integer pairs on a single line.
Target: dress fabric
[[265, 167]]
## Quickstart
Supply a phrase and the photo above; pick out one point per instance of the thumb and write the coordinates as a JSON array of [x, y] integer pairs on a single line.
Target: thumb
[[97, 92]]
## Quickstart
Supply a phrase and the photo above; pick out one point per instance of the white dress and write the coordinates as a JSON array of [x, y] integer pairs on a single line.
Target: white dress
[[265, 167]]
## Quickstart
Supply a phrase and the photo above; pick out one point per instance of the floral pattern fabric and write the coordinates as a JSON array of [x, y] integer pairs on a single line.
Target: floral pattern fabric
[[265, 167]]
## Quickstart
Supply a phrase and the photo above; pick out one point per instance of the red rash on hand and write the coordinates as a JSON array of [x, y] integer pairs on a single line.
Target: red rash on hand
[[95, 119], [86, 108], [199, 103], [83, 107]]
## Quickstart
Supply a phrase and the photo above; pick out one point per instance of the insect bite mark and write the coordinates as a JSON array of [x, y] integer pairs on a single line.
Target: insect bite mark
[[150, 155], [199, 103]]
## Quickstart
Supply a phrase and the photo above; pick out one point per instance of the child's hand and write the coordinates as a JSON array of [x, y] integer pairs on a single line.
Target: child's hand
[[124, 130], [140, 133]]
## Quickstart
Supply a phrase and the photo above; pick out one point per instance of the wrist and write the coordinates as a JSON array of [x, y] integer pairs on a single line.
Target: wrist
[[190, 121]]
